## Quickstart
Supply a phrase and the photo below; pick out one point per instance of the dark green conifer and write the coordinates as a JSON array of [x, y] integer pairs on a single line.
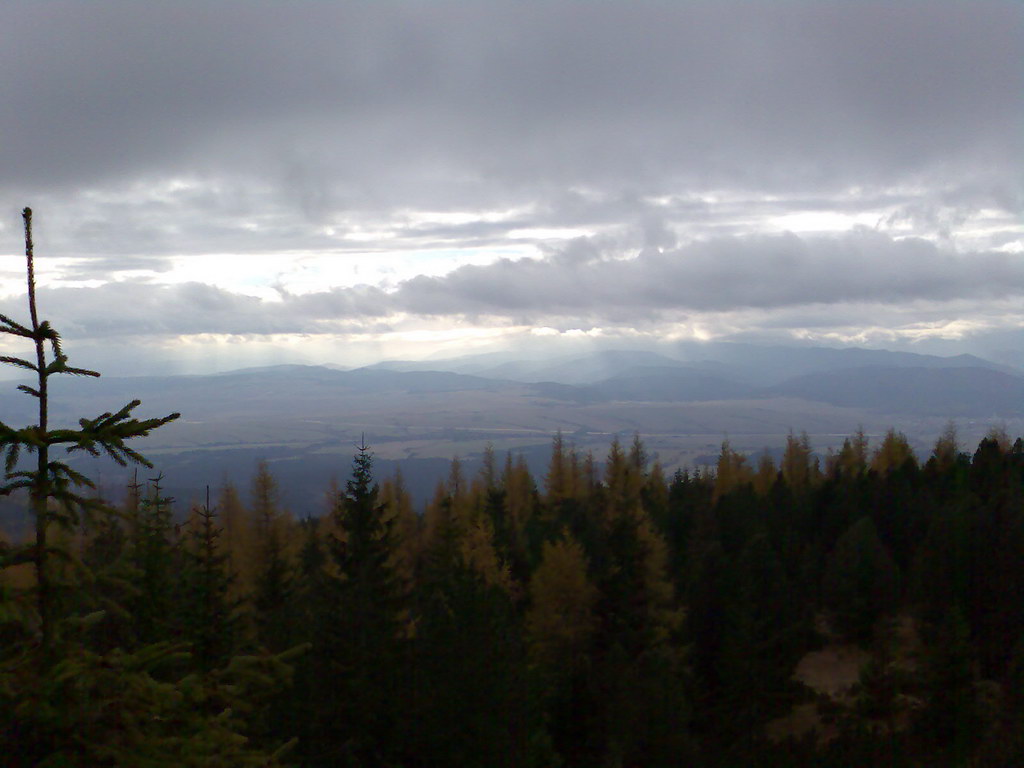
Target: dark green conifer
[[469, 674], [363, 552], [951, 718], [54, 487], [861, 580], [210, 620], [155, 558], [107, 555], [359, 653]]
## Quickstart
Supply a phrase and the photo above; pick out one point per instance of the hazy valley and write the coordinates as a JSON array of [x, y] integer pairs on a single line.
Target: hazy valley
[[306, 420]]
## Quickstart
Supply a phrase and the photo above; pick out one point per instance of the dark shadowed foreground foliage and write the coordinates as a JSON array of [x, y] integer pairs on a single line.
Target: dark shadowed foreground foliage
[[626, 619]]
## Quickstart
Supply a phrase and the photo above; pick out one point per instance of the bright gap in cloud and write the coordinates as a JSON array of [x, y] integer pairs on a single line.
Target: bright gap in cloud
[[262, 275], [821, 221], [386, 268], [456, 218], [1016, 246], [12, 275], [549, 233]]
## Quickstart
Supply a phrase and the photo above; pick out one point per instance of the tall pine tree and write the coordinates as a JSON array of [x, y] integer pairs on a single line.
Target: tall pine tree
[[361, 648]]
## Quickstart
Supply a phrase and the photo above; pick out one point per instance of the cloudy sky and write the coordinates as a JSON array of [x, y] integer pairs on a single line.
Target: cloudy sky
[[228, 183]]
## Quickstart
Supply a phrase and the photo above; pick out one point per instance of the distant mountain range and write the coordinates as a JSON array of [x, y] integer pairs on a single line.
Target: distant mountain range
[[747, 363], [885, 382], [880, 380], [951, 392], [307, 419]]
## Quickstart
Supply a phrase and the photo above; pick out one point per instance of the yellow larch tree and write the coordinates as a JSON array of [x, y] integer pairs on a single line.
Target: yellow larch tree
[[398, 502], [947, 447], [623, 478], [559, 481], [852, 458], [799, 465], [893, 453], [237, 539], [517, 482], [766, 475], [560, 620], [731, 471]]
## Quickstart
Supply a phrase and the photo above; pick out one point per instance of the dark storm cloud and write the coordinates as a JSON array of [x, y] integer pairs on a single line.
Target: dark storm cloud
[[359, 104]]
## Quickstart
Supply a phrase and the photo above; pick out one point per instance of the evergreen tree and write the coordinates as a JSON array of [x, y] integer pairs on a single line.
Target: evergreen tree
[[305, 713], [951, 720], [210, 621], [107, 556], [155, 559], [470, 693], [760, 643], [53, 486], [362, 635], [861, 581], [468, 657], [1005, 745], [632, 705]]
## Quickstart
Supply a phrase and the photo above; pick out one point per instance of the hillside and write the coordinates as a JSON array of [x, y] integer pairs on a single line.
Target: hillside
[[952, 392], [306, 419]]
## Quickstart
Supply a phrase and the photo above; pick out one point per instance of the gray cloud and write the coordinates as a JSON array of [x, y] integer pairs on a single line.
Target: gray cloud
[[346, 104], [735, 273], [786, 281], [135, 308], [672, 132]]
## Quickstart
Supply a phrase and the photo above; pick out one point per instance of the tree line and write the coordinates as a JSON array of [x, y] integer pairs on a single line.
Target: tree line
[[605, 615]]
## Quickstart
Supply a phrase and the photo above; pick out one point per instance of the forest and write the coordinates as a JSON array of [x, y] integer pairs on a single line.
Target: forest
[[862, 608]]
